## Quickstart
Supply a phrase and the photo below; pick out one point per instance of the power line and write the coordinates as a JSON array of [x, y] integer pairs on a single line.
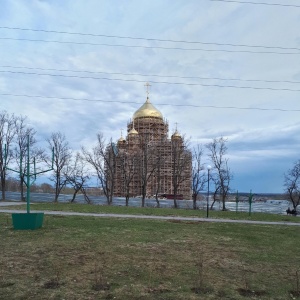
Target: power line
[[149, 39], [150, 47], [258, 3], [151, 81], [162, 104], [152, 75]]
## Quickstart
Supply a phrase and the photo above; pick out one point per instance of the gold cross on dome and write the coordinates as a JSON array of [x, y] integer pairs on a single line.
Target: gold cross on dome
[[147, 85]]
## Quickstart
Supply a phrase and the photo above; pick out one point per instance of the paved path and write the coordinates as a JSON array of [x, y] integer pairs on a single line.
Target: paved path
[[193, 219], [11, 203]]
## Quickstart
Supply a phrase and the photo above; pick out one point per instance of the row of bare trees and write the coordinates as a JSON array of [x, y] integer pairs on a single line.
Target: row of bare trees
[[102, 158], [145, 162], [76, 169], [14, 133]]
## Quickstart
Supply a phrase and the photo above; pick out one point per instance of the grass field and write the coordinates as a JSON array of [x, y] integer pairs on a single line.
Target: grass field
[[102, 258], [87, 208]]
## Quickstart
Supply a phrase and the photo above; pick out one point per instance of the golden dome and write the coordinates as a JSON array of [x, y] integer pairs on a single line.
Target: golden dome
[[121, 139], [133, 131], [147, 110], [176, 135]]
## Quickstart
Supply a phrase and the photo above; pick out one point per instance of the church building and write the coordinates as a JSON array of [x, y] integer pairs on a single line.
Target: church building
[[148, 161]]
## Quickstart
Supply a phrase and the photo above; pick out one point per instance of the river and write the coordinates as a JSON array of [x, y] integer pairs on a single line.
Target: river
[[267, 206]]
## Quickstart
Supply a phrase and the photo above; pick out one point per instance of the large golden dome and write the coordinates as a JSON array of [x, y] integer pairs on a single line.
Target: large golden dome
[[147, 110]]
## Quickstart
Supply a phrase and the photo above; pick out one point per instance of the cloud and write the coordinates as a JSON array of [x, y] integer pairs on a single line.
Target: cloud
[[261, 144]]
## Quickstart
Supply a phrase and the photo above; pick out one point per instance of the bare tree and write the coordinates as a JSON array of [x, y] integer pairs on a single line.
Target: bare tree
[[46, 188], [7, 133], [103, 160], [12, 184], [216, 191], [147, 163], [129, 166], [292, 184], [20, 149], [181, 158], [198, 176], [62, 155], [77, 176], [217, 151], [160, 159]]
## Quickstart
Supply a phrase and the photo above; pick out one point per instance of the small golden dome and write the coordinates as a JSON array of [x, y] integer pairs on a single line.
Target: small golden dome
[[121, 139], [133, 131], [147, 110], [176, 135]]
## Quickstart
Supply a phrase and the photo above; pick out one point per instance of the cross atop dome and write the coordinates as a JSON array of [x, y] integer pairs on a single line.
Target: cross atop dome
[[147, 110], [147, 85]]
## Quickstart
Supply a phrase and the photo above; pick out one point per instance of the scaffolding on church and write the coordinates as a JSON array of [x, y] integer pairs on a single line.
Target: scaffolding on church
[[147, 153]]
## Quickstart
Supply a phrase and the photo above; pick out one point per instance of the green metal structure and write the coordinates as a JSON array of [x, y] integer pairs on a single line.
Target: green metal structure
[[22, 221]]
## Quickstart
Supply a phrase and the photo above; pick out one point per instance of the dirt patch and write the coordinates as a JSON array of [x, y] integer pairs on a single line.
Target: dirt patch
[[295, 293], [100, 287], [51, 284], [6, 284], [158, 290], [251, 293], [203, 290]]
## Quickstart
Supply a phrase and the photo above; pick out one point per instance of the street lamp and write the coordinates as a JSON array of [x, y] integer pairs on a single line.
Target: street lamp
[[207, 200]]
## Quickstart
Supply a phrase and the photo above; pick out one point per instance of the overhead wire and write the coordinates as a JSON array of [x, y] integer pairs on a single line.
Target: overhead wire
[[258, 3], [153, 47], [150, 75], [152, 81], [149, 47], [149, 39], [162, 104]]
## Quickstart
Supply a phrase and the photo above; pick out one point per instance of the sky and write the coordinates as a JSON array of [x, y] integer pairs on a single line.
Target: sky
[[217, 68]]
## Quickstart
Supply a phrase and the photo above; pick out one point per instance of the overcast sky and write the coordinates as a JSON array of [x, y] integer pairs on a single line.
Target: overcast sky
[[191, 53]]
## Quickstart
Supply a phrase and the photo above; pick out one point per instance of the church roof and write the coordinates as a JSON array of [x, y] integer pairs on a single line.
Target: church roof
[[133, 131], [176, 135], [147, 110], [121, 139]]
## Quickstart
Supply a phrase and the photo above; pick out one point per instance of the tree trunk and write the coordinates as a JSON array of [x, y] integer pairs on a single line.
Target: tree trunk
[[110, 200], [194, 201], [143, 195], [86, 197], [22, 188], [223, 202], [3, 188], [175, 198], [157, 201], [74, 195], [213, 203]]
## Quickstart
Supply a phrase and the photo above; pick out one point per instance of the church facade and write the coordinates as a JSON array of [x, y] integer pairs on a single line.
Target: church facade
[[149, 162]]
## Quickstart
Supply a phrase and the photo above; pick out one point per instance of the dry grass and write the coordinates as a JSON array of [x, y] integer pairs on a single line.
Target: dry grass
[[91, 258]]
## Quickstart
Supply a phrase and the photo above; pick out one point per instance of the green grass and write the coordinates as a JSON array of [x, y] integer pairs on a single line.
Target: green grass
[[102, 258], [87, 208]]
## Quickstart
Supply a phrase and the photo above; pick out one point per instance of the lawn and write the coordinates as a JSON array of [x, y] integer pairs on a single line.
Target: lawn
[[88, 208], [102, 258]]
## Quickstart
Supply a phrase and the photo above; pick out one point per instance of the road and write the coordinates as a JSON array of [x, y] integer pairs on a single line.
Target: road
[[183, 219]]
